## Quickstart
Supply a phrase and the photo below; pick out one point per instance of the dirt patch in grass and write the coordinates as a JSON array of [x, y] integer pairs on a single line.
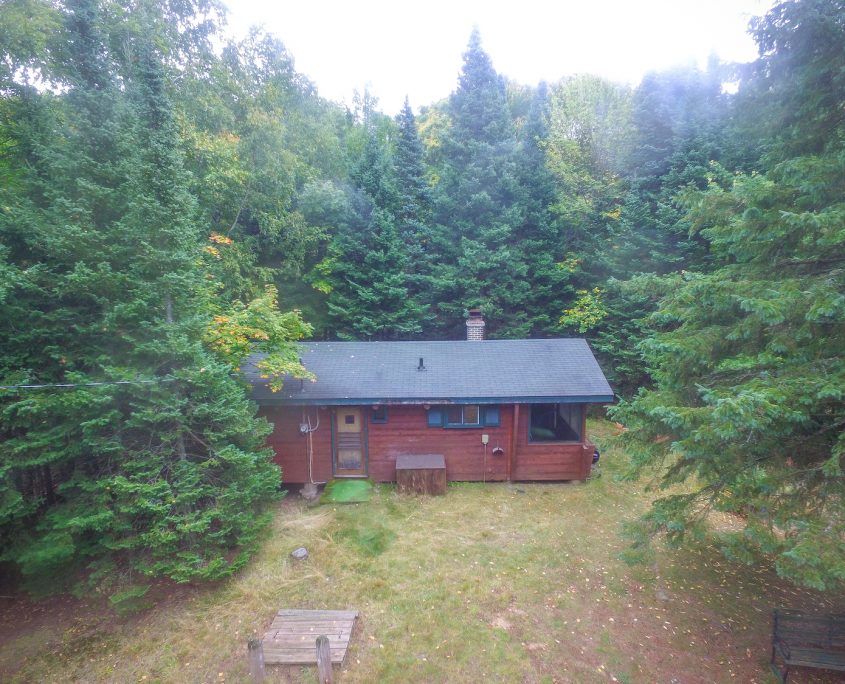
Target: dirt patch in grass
[[495, 582]]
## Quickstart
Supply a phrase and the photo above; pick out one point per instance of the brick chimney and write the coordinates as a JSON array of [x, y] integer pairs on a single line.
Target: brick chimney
[[475, 326]]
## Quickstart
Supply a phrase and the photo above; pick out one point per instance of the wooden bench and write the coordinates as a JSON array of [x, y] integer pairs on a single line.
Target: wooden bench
[[807, 641]]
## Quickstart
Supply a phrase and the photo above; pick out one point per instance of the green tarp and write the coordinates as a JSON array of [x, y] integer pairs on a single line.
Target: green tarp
[[347, 491]]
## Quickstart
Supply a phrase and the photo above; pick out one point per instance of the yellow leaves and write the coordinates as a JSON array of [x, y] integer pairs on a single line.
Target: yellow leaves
[[217, 239], [259, 326], [587, 311], [323, 286], [220, 239], [570, 264]]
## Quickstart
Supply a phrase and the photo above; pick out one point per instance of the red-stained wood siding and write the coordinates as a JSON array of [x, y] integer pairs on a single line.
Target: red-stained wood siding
[[406, 432], [549, 461], [291, 446]]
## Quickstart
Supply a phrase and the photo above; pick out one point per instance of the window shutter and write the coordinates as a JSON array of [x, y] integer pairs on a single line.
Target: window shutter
[[435, 417], [491, 416]]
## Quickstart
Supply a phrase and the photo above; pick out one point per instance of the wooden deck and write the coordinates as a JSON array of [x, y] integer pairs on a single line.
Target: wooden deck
[[292, 638]]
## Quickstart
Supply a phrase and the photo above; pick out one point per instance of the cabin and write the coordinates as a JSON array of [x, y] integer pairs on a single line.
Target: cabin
[[492, 409]]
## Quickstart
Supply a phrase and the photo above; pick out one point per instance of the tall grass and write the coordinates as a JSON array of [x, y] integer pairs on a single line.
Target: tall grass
[[493, 582]]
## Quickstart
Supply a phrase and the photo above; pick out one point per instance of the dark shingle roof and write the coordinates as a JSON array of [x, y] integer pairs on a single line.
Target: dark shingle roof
[[492, 371]]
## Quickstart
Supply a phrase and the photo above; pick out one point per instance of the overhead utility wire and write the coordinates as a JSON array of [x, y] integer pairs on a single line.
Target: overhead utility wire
[[71, 385]]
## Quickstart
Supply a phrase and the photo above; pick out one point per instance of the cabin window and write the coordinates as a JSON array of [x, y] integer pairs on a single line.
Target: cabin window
[[556, 422], [379, 414], [463, 415]]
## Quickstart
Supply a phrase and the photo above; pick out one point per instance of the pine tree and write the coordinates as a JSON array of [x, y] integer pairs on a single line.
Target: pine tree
[[373, 173], [680, 118]]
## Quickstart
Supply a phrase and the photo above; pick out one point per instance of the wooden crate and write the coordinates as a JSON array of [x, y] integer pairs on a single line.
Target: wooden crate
[[421, 474]]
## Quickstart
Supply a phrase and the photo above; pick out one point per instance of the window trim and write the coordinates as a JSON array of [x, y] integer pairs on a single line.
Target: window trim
[[489, 415], [431, 413], [374, 419], [486, 421]]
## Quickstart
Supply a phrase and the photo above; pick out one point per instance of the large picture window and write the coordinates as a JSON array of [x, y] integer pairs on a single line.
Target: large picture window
[[556, 422]]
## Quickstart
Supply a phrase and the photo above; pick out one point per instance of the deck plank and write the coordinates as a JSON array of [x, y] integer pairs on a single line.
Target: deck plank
[[334, 625], [292, 637], [318, 614], [277, 638]]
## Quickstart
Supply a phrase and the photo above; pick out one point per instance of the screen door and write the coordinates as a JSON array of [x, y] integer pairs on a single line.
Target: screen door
[[349, 449]]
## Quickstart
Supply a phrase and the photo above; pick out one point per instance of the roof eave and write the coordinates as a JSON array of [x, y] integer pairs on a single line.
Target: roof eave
[[371, 401]]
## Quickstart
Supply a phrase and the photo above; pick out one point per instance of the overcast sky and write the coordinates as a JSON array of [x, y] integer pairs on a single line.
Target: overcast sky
[[397, 48]]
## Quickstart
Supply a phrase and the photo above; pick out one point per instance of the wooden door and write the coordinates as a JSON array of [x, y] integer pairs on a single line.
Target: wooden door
[[349, 443]]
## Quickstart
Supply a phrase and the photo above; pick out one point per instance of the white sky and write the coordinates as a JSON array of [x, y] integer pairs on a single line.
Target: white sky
[[396, 47]]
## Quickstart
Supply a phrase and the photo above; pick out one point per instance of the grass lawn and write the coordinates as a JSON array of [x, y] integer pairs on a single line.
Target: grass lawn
[[493, 582]]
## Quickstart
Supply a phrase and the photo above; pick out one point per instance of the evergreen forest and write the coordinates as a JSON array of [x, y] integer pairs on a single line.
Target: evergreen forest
[[171, 200]]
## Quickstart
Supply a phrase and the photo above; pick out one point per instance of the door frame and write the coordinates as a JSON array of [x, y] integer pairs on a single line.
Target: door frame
[[365, 451]]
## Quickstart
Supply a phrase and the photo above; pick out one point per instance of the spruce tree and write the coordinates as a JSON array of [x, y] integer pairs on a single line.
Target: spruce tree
[[476, 205], [542, 242], [676, 130], [748, 408], [164, 475], [371, 278], [479, 107], [413, 212], [413, 205], [371, 297]]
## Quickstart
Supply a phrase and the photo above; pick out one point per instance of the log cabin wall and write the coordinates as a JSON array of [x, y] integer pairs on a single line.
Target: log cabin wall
[[406, 432]]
